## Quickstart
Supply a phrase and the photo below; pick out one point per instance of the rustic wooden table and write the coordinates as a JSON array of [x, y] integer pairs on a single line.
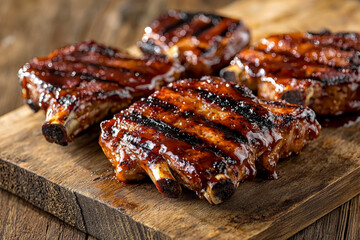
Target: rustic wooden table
[[34, 28]]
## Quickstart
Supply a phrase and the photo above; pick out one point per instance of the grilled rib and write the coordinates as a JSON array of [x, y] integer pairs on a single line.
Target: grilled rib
[[208, 135], [320, 70], [203, 42], [81, 84]]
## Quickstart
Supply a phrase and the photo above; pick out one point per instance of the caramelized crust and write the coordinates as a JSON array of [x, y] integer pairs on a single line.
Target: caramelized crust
[[320, 70], [208, 135], [81, 84], [203, 42]]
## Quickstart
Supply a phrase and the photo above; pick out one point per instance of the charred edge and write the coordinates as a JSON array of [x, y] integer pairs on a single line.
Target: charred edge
[[101, 49], [238, 107], [55, 133], [293, 96], [229, 76], [321, 33], [35, 107], [230, 134], [149, 47], [183, 18], [334, 80], [231, 28], [214, 46], [244, 91], [351, 35], [176, 133], [153, 101], [336, 44], [220, 166], [169, 187], [264, 173], [355, 60], [223, 190]]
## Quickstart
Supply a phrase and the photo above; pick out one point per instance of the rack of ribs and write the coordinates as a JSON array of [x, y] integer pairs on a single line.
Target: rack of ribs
[[203, 42], [207, 135], [320, 70], [81, 84]]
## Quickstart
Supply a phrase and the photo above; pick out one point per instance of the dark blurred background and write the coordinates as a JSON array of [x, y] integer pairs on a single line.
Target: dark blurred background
[[34, 28]]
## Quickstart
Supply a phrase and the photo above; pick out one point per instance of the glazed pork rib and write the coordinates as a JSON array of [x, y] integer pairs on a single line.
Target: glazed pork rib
[[320, 70], [203, 42], [81, 84], [207, 135]]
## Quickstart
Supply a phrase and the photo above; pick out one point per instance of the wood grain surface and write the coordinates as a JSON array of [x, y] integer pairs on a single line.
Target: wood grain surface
[[37, 27], [76, 184]]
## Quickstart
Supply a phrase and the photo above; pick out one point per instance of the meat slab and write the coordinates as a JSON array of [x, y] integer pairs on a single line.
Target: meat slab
[[320, 70], [81, 84], [203, 42], [207, 135]]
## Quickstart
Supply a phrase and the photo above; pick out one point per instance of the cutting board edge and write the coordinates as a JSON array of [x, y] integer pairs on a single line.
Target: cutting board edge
[[20, 181]]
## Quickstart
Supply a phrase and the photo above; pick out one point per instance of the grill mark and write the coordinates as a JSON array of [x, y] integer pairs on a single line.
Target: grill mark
[[231, 28], [292, 59], [83, 76], [118, 69], [81, 54], [102, 50], [167, 130], [97, 65], [213, 47], [326, 32], [282, 53], [214, 20], [324, 79], [335, 45], [243, 91], [153, 101], [184, 18], [88, 77], [352, 60], [229, 133], [355, 60], [239, 107], [177, 134], [136, 142], [203, 29]]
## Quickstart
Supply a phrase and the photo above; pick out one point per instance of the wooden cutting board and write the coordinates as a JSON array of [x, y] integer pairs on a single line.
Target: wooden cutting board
[[75, 182]]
